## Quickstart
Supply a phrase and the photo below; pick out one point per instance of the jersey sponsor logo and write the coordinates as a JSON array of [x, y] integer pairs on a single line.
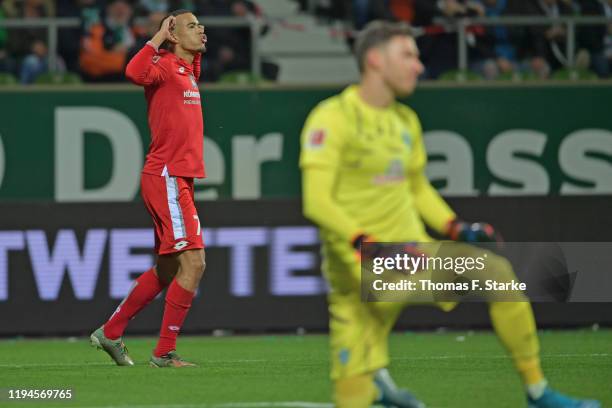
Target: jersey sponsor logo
[[394, 174], [191, 97], [316, 138], [191, 94], [180, 245]]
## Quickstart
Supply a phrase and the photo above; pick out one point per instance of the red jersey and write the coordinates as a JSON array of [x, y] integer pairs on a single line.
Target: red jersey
[[174, 111]]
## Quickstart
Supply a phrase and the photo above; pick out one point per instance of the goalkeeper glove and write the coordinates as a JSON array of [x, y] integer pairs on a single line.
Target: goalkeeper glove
[[458, 230], [373, 249]]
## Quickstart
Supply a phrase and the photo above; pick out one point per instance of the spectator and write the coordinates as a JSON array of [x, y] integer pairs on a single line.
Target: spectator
[[365, 11], [37, 63], [105, 44], [597, 39], [439, 50], [20, 40], [154, 21], [7, 64], [230, 47], [68, 47], [145, 7], [329, 10], [402, 10], [497, 54], [541, 48]]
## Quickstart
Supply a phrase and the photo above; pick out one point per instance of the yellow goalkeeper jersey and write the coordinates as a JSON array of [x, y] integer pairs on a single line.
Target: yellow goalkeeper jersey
[[377, 159]]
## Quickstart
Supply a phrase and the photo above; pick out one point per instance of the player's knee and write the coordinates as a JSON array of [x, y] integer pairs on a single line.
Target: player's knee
[[355, 392], [502, 268], [198, 265], [195, 264]]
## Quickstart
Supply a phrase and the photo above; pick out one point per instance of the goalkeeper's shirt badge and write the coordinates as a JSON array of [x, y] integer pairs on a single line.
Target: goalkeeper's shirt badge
[[407, 138], [316, 138]]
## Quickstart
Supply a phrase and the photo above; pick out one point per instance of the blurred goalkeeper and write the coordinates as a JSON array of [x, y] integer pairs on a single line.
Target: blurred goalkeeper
[[363, 163]]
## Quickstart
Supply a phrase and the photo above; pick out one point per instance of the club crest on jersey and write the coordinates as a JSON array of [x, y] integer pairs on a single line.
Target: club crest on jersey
[[316, 138], [407, 138]]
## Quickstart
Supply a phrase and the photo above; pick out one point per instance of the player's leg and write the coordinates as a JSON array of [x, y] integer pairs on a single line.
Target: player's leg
[[143, 291], [178, 302], [182, 241], [513, 321], [146, 288], [350, 328], [515, 326]]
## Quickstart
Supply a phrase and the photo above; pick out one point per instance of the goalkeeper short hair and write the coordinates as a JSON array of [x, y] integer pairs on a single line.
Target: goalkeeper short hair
[[378, 33]]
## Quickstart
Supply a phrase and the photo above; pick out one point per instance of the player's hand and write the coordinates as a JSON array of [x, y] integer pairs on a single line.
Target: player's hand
[[367, 247], [458, 230], [166, 32], [167, 29]]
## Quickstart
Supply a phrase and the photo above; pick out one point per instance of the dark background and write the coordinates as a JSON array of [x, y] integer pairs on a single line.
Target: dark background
[[576, 219]]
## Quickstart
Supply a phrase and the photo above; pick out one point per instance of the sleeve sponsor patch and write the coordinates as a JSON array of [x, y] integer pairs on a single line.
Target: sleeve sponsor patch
[[316, 138]]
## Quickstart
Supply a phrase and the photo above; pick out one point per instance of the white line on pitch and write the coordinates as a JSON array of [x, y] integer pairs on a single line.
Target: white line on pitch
[[263, 404], [500, 356], [206, 363]]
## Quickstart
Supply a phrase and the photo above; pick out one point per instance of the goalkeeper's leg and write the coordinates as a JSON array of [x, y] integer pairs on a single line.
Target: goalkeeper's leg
[[515, 326], [359, 350]]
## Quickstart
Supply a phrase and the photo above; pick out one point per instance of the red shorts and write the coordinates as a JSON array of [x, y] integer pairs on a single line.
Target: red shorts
[[170, 202]]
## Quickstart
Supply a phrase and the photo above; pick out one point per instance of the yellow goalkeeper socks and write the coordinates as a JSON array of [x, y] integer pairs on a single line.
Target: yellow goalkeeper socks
[[516, 329], [355, 392]]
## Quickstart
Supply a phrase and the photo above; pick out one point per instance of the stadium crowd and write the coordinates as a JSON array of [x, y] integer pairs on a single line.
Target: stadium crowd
[[112, 31]]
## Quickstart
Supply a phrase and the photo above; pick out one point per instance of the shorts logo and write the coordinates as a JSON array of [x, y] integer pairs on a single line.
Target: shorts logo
[[317, 138], [181, 245]]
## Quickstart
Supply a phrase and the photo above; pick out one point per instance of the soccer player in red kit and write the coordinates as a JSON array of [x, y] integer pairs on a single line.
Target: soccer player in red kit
[[170, 78]]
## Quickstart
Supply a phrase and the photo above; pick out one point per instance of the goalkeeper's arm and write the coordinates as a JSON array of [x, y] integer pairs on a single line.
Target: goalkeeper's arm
[[320, 207], [431, 206], [441, 218]]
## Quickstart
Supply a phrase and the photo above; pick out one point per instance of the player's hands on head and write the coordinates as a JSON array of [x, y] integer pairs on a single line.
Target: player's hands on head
[[167, 29], [166, 32], [458, 230]]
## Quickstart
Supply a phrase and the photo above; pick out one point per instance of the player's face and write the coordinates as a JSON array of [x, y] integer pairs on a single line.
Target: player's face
[[401, 65], [190, 33]]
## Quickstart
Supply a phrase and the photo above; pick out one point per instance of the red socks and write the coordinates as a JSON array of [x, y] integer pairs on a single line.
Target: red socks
[[145, 289], [178, 302]]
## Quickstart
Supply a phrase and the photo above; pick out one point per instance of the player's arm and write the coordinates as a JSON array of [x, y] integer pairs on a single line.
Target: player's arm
[[319, 205], [197, 66], [143, 68], [433, 209], [429, 203], [322, 141]]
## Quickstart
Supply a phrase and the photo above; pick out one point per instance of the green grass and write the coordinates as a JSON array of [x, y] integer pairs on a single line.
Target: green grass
[[446, 370]]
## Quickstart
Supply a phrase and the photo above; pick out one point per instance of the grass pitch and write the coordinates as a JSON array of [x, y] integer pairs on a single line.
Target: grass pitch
[[457, 369]]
